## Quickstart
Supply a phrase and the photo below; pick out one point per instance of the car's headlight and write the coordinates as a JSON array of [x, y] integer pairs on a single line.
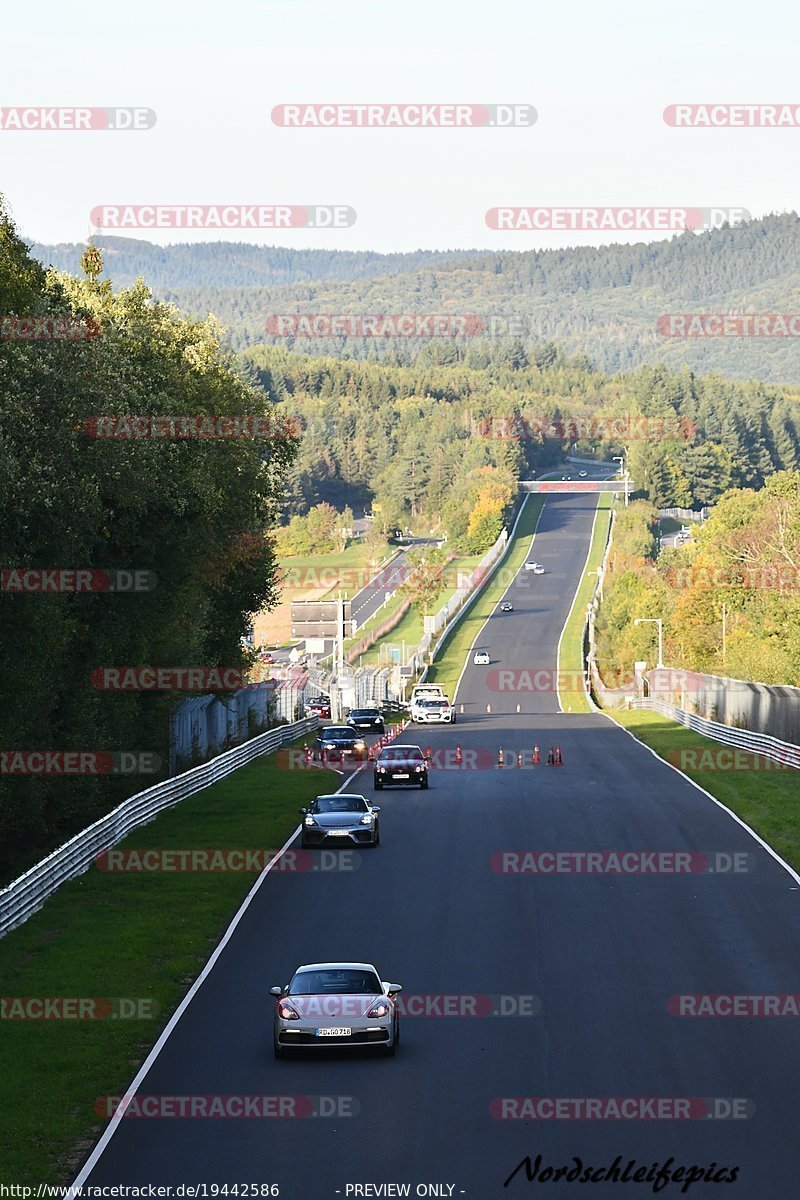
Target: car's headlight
[[420, 768], [381, 770], [309, 821], [359, 745], [286, 1012], [368, 819], [381, 1009], [330, 745]]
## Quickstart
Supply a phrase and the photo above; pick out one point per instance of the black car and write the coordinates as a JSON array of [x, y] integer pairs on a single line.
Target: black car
[[369, 719], [340, 742], [401, 764]]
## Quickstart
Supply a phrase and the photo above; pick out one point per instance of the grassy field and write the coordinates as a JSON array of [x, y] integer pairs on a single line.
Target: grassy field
[[763, 795], [570, 653], [449, 661], [140, 935]]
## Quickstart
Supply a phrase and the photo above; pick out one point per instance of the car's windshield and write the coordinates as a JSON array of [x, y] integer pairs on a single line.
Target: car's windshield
[[335, 982], [433, 704], [337, 733], [401, 754], [359, 713], [339, 804]]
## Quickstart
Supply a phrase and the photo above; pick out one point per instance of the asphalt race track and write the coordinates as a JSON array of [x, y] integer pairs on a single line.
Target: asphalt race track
[[583, 964]]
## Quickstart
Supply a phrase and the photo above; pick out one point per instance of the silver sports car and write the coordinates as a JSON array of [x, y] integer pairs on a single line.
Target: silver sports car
[[336, 1004], [340, 818]]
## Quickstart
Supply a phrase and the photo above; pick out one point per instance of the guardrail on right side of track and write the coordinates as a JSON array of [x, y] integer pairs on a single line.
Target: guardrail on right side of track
[[787, 754], [27, 893]]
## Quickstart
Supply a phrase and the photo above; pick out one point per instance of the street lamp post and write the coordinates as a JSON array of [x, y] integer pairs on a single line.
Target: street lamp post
[[624, 471], [660, 623]]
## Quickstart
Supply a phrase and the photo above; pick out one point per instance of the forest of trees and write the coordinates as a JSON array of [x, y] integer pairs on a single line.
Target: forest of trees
[[600, 301], [193, 512], [422, 442], [746, 556]]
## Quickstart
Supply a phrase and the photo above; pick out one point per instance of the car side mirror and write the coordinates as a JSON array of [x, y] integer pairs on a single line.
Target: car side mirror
[[276, 991], [303, 811], [393, 988], [376, 808]]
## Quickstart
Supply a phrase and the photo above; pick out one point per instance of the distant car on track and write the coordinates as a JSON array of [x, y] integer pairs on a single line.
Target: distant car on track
[[320, 706], [481, 658], [433, 710], [366, 718], [582, 474], [400, 764], [340, 818], [340, 742], [531, 566], [336, 1004], [506, 606]]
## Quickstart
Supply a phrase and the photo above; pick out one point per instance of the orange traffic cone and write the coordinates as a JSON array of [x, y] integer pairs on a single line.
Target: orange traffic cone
[[517, 708], [459, 755], [488, 708], [559, 759], [551, 758], [536, 755], [519, 759], [428, 752], [500, 757], [306, 753], [462, 708], [323, 756]]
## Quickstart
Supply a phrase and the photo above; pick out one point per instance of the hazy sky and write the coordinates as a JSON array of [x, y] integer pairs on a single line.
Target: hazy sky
[[598, 75]]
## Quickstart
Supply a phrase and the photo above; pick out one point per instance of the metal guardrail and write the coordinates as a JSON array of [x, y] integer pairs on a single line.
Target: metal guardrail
[[26, 894], [785, 753]]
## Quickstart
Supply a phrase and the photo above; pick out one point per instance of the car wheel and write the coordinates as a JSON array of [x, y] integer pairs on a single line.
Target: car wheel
[[423, 783], [376, 841], [391, 1051], [278, 1051]]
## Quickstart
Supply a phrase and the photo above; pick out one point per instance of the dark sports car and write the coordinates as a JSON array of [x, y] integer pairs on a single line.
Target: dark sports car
[[339, 743], [401, 764]]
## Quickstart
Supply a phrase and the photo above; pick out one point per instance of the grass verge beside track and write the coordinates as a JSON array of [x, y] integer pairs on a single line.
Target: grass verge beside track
[[140, 934], [453, 650], [761, 793], [572, 697]]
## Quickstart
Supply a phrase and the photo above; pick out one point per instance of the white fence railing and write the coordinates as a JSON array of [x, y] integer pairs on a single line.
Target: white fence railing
[[26, 894], [785, 753], [685, 514]]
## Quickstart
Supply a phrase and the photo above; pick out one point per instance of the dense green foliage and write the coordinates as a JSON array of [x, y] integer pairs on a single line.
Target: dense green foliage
[[428, 440], [602, 301], [191, 511], [746, 556]]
